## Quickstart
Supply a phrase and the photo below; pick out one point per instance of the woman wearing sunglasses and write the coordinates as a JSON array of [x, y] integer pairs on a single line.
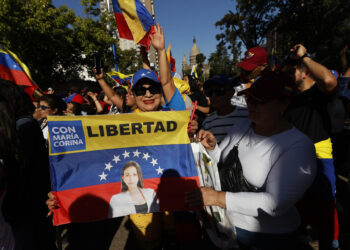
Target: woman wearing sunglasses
[[275, 163], [49, 105]]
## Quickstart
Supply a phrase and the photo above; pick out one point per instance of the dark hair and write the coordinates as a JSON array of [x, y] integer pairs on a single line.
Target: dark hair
[[134, 164], [193, 84], [9, 144], [18, 101], [120, 91], [55, 102]]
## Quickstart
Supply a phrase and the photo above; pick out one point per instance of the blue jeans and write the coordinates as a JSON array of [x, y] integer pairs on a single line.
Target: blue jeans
[[253, 240]]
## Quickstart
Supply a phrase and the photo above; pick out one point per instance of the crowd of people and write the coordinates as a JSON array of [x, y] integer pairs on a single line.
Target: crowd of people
[[272, 130]]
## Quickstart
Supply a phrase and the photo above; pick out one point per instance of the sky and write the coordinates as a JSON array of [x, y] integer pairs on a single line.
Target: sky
[[182, 20]]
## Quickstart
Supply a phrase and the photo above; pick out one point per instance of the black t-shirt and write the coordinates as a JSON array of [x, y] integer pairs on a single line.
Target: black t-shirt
[[309, 112]]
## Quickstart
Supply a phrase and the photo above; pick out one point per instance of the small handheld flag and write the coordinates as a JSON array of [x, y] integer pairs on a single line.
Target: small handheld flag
[[120, 78], [134, 22], [194, 72]]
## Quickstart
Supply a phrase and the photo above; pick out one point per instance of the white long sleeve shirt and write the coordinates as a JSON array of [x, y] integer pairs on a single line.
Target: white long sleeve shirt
[[283, 165]]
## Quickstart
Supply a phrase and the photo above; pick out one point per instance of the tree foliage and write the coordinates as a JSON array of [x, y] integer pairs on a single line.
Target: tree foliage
[[220, 61], [321, 25], [55, 43]]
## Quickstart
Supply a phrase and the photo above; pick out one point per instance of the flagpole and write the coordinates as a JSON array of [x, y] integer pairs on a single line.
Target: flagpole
[[114, 35]]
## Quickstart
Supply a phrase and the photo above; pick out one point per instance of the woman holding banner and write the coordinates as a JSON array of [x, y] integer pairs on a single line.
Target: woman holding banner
[[133, 198], [270, 164]]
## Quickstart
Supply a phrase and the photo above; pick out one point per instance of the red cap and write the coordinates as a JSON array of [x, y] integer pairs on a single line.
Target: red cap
[[271, 85], [253, 58], [75, 98]]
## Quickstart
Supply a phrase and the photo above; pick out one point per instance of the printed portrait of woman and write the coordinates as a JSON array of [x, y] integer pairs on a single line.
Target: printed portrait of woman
[[133, 198]]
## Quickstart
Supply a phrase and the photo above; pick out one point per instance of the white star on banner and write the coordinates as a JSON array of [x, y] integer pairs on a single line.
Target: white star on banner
[[116, 159], [108, 166], [154, 162], [136, 153], [126, 154], [103, 176], [159, 170], [145, 156]]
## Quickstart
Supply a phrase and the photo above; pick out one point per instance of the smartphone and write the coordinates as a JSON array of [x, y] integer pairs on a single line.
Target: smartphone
[[98, 64]]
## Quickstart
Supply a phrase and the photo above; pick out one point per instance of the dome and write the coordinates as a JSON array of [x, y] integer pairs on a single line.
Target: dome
[[194, 50], [184, 60]]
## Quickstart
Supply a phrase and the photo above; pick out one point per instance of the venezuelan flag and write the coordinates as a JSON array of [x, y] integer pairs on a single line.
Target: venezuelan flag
[[12, 69], [134, 22], [120, 78], [171, 59], [89, 155]]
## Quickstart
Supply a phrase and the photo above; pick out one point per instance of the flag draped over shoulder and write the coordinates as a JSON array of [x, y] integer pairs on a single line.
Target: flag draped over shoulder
[[120, 78], [134, 22], [90, 157]]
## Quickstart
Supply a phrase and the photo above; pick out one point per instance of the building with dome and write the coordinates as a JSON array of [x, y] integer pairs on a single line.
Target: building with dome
[[193, 53]]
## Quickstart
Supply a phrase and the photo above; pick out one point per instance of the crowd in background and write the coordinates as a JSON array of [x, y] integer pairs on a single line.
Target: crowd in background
[[286, 124]]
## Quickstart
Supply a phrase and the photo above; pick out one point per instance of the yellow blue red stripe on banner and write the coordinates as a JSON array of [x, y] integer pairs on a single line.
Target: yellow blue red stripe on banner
[[88, 155]]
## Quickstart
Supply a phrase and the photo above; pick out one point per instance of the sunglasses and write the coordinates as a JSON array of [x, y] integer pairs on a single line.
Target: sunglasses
[[141, 91], [42, 107]]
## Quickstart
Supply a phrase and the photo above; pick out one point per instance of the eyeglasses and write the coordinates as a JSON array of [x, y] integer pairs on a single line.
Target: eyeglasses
[[43, 107], [141, 91]]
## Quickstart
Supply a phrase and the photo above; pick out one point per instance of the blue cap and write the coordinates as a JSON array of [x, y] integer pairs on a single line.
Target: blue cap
[[220, 79], [144, 73]]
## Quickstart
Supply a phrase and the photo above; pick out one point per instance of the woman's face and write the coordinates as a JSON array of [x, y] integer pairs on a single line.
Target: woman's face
[[130, 99], [45, 109], [148, 97], [130, 177], [70, 108], [264, 112]]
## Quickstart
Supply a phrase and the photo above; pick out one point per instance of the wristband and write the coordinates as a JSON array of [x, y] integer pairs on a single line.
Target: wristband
[[305, 55]]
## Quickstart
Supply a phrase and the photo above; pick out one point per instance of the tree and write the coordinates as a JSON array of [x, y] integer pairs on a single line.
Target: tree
[[323, 26], [55, 43], [247, 26], [200, 59], [220, 61]]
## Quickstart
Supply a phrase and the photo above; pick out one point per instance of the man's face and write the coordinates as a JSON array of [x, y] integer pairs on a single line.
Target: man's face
[[299, 76], [220, 96], [248, 76]]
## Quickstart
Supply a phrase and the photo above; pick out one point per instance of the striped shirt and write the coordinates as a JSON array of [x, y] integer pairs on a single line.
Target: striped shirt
[[220, 125]]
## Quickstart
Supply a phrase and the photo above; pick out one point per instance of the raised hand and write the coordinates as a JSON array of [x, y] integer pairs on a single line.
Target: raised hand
[[298, 51], [157, 38], [97, 76]]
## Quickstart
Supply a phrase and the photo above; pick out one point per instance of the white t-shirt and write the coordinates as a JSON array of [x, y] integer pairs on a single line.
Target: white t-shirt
[[283, 165]]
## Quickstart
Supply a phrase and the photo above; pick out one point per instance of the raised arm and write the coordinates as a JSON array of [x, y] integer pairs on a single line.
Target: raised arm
[[323, 77], [158, 42], [106, 88]]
